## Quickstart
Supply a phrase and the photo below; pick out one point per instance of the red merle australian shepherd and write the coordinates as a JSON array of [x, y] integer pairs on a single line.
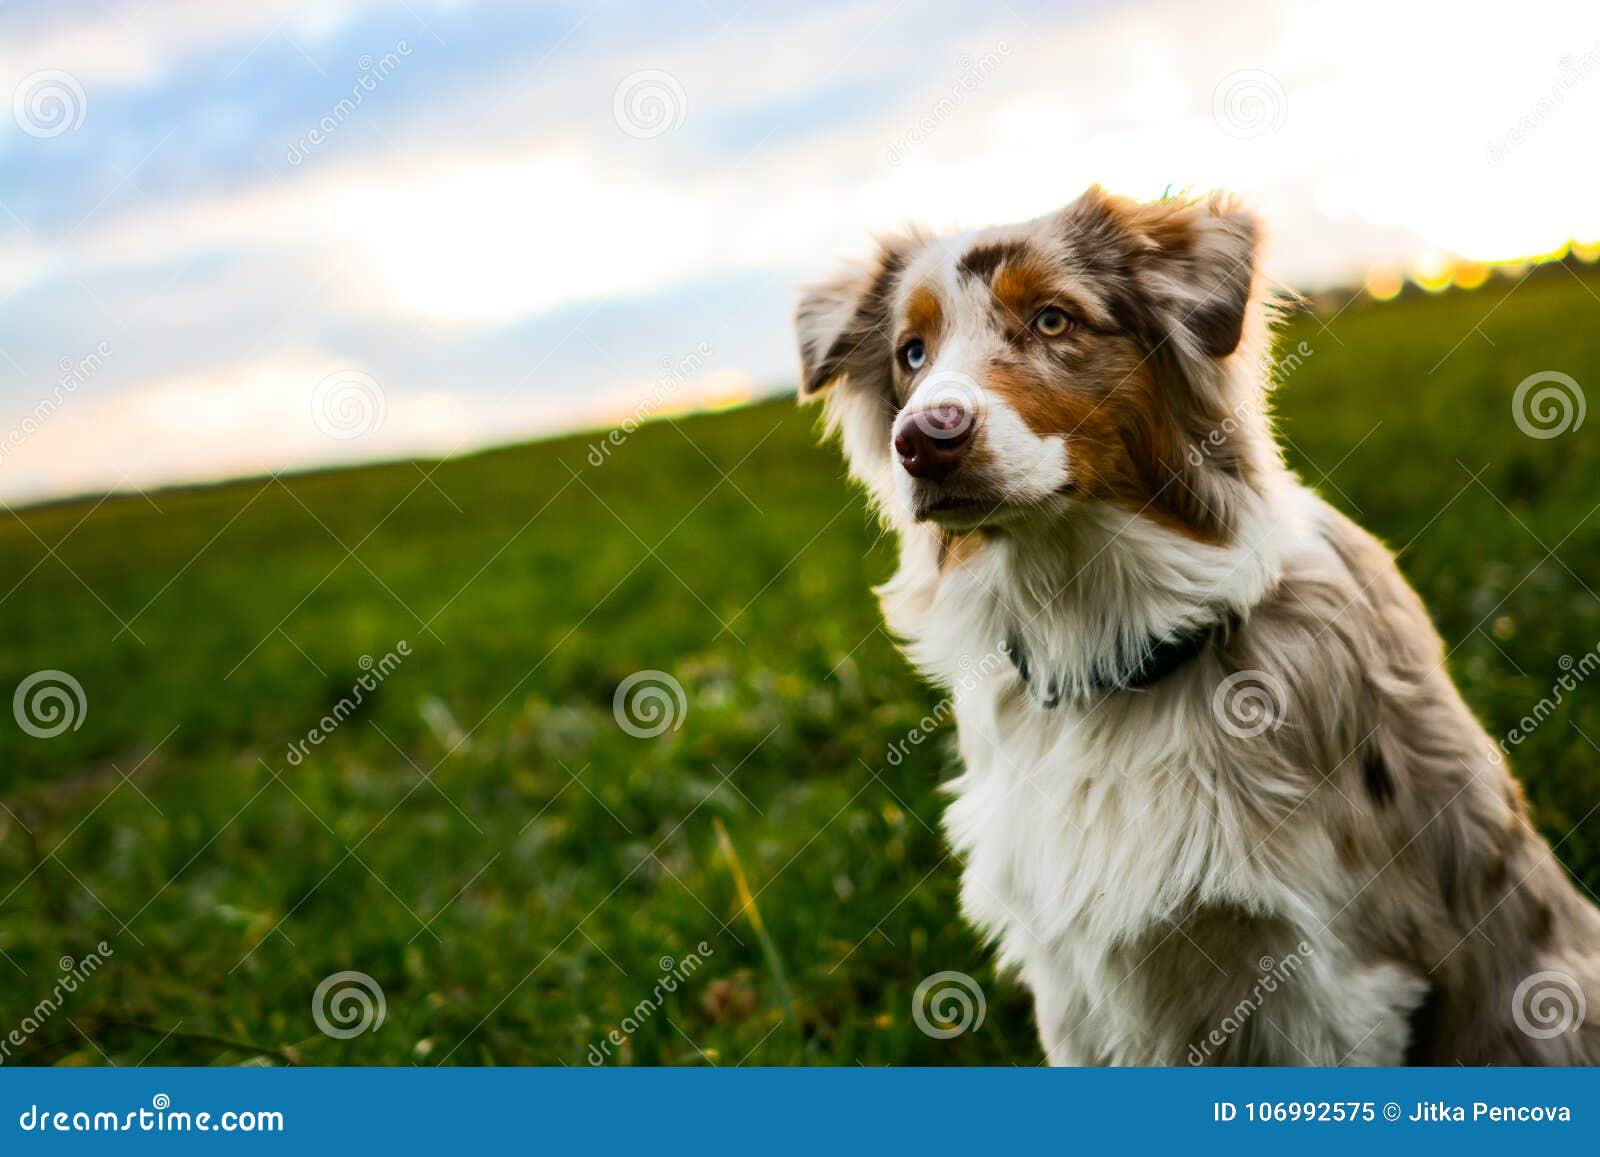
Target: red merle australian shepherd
[[1220, 801]]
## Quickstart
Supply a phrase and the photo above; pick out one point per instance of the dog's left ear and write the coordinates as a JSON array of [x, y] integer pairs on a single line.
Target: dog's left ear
[[843, 324], [1192, 262]]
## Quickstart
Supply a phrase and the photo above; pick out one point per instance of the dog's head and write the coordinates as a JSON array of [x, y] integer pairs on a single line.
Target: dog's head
[[1010, 373]]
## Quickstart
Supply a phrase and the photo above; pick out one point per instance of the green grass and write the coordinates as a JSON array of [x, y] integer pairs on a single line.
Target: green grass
[[506, 862]]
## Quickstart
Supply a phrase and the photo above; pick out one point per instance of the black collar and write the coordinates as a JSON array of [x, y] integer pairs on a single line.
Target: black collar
[[1153, 662]]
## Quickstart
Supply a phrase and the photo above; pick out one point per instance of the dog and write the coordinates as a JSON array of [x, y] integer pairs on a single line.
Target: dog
[[1220, 801]]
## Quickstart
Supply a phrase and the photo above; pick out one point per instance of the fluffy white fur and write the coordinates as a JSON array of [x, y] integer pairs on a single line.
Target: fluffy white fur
[[1311, 789]]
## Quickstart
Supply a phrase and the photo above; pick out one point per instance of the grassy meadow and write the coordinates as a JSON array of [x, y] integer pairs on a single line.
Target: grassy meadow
[[516, 871]]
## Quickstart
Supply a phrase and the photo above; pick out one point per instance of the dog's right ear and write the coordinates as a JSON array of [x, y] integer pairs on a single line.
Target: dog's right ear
[[843, 324]]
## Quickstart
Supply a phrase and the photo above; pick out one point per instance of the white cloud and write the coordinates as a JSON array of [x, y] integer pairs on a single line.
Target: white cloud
[[114, 48], [517, 194]]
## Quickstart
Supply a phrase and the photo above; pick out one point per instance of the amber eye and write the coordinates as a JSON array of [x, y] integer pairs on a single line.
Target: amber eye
[[1052, 322]]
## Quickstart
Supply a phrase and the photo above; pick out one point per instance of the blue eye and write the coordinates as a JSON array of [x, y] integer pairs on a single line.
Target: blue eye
[[914, 353]]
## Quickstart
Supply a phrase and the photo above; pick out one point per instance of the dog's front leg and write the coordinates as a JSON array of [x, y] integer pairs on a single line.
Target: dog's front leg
[[1059, 1015]]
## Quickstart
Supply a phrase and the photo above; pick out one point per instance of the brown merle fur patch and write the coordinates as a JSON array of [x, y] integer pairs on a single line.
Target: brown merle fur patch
[[924, 314], [982, 260], [1124, 441]]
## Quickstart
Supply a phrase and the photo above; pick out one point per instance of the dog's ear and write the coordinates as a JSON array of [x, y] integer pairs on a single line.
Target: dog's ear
[[1190, 261], [843, 323]]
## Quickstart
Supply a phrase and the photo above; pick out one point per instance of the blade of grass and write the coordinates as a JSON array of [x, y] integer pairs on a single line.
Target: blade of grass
[[747, 905]]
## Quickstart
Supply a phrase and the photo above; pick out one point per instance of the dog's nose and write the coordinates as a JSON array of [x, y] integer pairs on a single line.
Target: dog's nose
[[932, 441]]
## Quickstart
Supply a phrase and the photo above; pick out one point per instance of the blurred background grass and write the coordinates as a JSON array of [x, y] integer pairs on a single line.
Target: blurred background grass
[[512, 867]]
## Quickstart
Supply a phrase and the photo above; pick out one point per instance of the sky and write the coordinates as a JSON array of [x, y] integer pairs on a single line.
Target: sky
[[245, 237]]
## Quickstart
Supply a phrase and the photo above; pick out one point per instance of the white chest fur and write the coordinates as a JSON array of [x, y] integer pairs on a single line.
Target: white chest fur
[[1099, 830], [1104, 854], [1090, 824]]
